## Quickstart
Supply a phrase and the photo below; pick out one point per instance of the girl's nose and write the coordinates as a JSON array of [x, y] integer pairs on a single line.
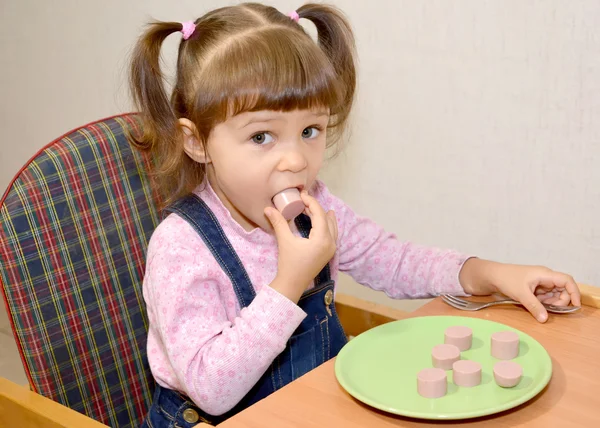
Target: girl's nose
[[292, 160]]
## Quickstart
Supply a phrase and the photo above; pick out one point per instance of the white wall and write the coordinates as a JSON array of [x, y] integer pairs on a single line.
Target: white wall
[[477, 123]]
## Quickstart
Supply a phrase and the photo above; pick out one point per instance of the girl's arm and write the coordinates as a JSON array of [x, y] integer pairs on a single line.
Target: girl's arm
[[192, 345], [377, 259]]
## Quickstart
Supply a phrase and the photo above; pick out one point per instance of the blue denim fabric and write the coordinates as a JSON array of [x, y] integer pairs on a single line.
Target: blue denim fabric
[[319, 337], [167, 410]]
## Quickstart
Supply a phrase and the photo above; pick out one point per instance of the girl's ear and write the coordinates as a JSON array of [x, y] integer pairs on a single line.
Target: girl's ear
[[191, 141]]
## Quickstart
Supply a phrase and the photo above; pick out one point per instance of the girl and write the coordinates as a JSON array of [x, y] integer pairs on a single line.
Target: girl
[[240, 302]]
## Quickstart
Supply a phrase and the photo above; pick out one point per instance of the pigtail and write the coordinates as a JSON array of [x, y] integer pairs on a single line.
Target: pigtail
[[146, 83], [337, 42], [160, 134]]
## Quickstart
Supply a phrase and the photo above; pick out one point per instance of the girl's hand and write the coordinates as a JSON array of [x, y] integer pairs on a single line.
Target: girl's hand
[[301, 259], [530, 285]]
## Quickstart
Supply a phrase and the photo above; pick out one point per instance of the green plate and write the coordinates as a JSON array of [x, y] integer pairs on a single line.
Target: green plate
[[380, 366]]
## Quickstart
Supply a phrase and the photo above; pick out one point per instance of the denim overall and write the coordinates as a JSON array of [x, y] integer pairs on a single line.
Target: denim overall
[[318, 338]]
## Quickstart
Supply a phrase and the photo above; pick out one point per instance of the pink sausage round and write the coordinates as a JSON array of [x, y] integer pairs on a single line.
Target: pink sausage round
[[443, 356], [466, 373], [289, 203], [460, 336], [505, 345], [507, 373], [431, 383]]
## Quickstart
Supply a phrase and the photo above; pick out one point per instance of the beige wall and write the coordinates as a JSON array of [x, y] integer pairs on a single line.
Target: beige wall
[[477, 123]]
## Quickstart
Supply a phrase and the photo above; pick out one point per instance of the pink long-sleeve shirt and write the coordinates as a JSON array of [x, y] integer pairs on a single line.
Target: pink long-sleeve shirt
[[199, 341]]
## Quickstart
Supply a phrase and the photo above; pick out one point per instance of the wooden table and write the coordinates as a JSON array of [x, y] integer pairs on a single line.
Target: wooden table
[[572, 397], [20, 407]]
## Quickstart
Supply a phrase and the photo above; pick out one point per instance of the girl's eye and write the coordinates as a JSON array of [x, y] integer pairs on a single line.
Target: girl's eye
[[311, 132], [262, 138]]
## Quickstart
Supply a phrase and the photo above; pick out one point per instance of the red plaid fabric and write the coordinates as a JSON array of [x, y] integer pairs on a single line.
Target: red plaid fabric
[[75, 225]]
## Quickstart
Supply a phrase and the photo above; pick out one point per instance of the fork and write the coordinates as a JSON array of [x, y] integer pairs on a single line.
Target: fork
[[465, 305]]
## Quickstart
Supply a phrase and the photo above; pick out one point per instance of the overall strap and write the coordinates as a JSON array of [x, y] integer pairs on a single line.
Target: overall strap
[[195, 211]]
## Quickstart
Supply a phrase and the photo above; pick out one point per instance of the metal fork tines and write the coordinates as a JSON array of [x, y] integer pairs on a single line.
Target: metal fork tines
[[466, 305]]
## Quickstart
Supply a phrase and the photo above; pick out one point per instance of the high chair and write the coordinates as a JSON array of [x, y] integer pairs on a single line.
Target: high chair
[[74, 227]]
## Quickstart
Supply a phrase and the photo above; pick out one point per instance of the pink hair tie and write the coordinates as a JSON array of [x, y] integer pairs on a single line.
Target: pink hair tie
[[294, 15], [187, 29]]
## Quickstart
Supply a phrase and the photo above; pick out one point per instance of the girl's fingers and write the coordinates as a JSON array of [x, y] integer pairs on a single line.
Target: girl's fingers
[[533, 305], [279, 224], [560, 280], [556, 297], [562, 299], [545, 297], [316, 213]]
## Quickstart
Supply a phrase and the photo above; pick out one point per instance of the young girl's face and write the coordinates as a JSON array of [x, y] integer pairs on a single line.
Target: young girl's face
[[255, 155]]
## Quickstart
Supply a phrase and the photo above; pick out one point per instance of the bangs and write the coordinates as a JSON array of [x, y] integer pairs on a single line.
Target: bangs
[[267, 69]]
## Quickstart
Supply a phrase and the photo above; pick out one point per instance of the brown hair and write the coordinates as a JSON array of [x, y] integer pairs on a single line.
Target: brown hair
[[240, 58]]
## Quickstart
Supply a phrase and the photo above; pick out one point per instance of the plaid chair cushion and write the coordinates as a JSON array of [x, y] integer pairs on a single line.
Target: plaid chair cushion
[[74, 229]]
